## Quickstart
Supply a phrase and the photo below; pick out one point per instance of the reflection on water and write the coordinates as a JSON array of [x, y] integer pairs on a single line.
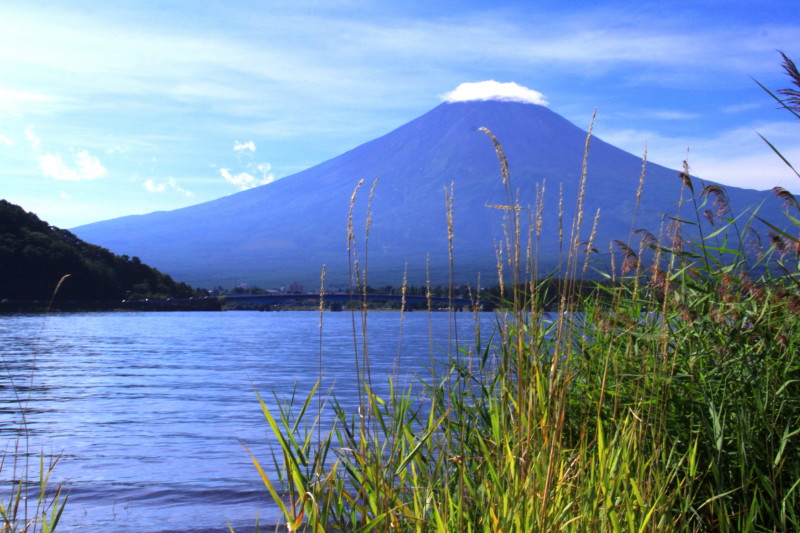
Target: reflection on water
[[151, 410]]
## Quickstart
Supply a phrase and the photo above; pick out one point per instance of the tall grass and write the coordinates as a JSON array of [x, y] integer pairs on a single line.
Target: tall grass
[[667, 398]]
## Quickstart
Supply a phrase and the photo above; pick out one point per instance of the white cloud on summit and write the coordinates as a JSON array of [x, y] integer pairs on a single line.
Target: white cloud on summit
[[241, 146], [88, 167], [494, 90]]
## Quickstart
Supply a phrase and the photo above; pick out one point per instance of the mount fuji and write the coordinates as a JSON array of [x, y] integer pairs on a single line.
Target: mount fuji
[[284, 231]]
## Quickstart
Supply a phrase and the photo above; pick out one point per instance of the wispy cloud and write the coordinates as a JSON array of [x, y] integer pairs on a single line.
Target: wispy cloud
[[6, 141], [28, 101], [192, 63], [86, 168], [739, 108], [152, 186], [173, 183], [672, 114]]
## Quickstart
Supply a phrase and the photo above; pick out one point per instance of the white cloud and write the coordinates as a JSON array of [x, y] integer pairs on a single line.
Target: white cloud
[[494, 90], [264, 169], [241, 146], [88, 167], [116, 149], [761, 171], [65, 196], [152, 186], [7, 141], [172, 183], [34, 140], [245, 180], [735, 157]]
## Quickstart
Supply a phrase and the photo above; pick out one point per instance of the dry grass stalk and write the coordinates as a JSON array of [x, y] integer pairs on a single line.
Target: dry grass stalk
[[508, 245], [501, 156], [403, 291], [590, 244], [319, 370], [367, 226], [539, 216], [578, 220], [792, 95], [529, 270], [613, 263], [685, 177], [449, 199], [788, 198], [354, 284], [560, 216], [429, 305], [639, 190], [512, 234], [350, 231], [498, 251]]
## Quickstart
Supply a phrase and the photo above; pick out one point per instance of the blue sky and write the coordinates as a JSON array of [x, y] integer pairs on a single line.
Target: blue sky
[[115, 108]]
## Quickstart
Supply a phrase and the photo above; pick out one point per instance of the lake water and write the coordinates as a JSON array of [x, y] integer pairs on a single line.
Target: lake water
[[150, 411]]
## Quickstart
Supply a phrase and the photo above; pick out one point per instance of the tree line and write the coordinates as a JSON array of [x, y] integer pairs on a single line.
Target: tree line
[[35, 256]]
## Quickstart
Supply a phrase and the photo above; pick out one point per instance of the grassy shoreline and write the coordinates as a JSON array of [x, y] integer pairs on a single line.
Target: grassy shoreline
[[672, 404], [665, 400]]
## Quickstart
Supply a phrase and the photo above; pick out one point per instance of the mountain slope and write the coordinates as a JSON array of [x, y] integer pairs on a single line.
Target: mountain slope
[[284, 231]]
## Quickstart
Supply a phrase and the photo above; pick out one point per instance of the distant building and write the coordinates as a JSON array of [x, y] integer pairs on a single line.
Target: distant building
[[295, 288]]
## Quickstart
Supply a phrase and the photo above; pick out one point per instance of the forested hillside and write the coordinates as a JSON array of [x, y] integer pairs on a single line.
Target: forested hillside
[[34, 256]]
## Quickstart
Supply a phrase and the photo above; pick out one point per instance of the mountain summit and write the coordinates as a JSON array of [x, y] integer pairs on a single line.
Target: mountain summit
[[286, 230]]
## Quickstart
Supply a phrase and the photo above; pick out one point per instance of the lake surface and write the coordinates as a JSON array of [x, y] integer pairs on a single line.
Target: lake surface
[[150, 411]]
